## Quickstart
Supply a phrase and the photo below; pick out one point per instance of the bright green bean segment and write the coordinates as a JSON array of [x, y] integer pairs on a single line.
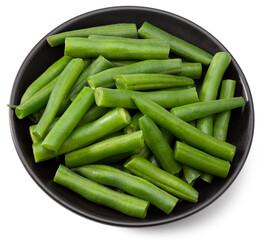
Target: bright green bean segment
[[150, 81], [107, 148], [121, 29], [170, 183], [177, 45], [129, 183], [191, 70], [100, 194], [200, 160]]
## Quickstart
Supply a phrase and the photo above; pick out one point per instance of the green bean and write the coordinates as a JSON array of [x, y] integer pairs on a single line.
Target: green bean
[[134, 125], [68, 121], [155, 140], [200, 160], [210, 87], [177, 45], [92, 114], [48, 75], [206, 177], [222, 119], [121, 29], [149, 81], [129, 183], [100, 194], [35, 102], [119, 63], [104, 149], [59, 92], [89, 133], [98, 65], [106, 97], [198, 110], [169, 66], [184, 131], [117, 48], [190, 174], [168, 182], [191, 70]]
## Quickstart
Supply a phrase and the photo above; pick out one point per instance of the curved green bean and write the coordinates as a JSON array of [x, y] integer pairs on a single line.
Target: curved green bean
[[68, 121], [168, 182], [184, 131], [100, 194], [169, 66], [48, 75], [129, 183], [58, 94], [89, 133], [121, 29], [106, 97], [177, 45], [200, 160], [155, 140], [148, 81], [222, 119], [116, 48], [210, 87], [105, 149], [198, 110]]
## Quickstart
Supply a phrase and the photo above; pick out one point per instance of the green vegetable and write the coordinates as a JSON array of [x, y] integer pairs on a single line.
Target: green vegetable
[[121, 29], [89, 133], [129, 183], [105, 149], [117, 48], [168, 66], [68, 121], [190, 174], [191, 70], [59, 92], [157, 143], [106, 97], [222, 119], [198, 110], [48, 75], [134, 125], [177, 45], [200, 160], [100, 194], [150, 81], [170, 183], [184, 131], [210, 87]]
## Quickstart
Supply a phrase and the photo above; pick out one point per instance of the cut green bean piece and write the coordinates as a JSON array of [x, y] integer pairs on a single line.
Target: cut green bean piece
[[116, 48], [58, 94], [184, 131], [119, 63], [190, 174], [129, 183], [68, 121], [198, 110], [206, 177], [191, 70], [167, 66], [121, 29], [106, 97], [148, 81], [53, 71], [210, 87], [177, 45], [101, 150], [89, 133], [134, 125], [100, 194], [155, 140], [100, 64], [222, 119], [36, 102], [200, 160], [168, 182]]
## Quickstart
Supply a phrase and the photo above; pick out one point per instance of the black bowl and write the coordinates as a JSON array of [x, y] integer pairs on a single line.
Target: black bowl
[[42, 55]]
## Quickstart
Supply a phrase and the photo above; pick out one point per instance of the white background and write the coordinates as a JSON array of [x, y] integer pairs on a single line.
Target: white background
[[28, 213]]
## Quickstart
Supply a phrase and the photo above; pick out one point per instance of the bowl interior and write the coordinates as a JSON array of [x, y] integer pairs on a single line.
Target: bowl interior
[[42, 56]]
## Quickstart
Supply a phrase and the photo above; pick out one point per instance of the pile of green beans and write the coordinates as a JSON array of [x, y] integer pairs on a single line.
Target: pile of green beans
[[118, 111]]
